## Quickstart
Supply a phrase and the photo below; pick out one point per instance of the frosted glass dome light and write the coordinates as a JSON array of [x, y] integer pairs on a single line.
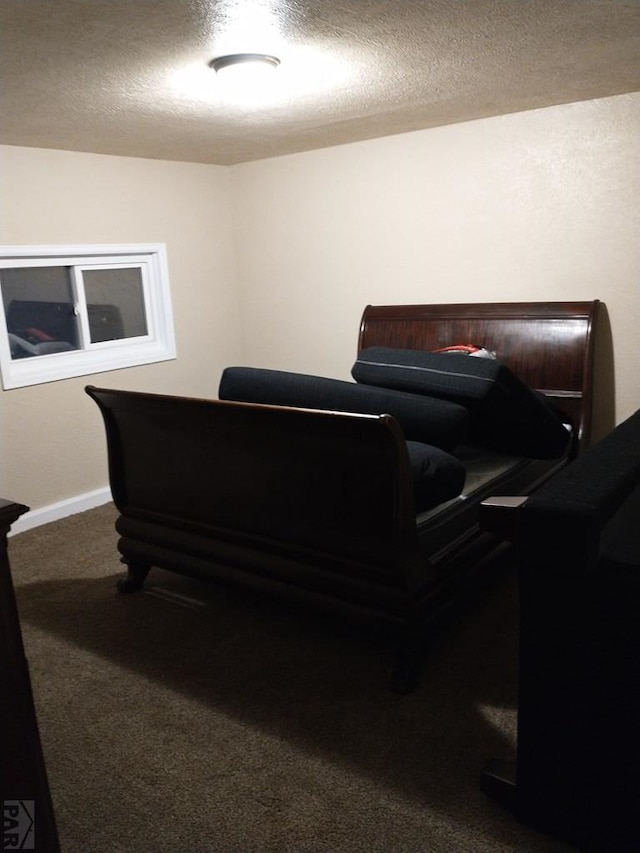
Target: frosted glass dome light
[[249, 66]]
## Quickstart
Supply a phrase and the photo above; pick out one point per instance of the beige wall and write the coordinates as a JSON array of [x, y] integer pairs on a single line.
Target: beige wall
[[52, 438], [543, 205], [272, 262]]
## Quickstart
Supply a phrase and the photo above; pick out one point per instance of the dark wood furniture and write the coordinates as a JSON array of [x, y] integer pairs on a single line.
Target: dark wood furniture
[[577, 770], [549, 345], [318, 506], [28, 818]]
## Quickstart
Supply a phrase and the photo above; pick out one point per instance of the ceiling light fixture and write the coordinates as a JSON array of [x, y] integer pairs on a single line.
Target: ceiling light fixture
[[244, 61]]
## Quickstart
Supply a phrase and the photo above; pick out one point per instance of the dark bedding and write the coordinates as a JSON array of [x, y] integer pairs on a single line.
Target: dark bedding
[[505, 414], [457, 413], [423, 418]]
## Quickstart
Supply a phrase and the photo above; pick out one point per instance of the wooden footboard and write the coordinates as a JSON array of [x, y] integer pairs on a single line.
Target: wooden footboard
[[319, 500]]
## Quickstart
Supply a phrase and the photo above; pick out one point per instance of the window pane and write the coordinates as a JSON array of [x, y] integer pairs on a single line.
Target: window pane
[[115, 303], [109, 304], [39, 310]]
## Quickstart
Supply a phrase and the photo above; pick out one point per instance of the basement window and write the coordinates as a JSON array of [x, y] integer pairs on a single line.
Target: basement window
[[75, 310]]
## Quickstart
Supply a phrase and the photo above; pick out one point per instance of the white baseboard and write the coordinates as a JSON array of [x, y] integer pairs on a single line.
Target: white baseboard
[[61, 509]]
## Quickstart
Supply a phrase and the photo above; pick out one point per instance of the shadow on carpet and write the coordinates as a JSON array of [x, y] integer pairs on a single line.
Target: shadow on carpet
[[305, 677]]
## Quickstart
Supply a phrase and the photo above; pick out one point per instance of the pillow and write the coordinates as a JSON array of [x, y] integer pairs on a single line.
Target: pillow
[[436, 476], [467, 349], [422, 418], [507, 415]]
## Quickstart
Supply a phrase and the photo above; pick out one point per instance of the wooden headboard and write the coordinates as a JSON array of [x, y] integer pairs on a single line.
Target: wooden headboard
[[549, 345]]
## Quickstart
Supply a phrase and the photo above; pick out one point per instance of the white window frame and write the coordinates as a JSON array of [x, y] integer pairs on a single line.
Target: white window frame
[[157, 345]]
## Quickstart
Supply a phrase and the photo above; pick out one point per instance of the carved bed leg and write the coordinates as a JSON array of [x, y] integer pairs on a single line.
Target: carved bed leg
[[135, 578]]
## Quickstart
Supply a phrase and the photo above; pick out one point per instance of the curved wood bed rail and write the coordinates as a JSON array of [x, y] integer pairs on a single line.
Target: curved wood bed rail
[[549, 345]]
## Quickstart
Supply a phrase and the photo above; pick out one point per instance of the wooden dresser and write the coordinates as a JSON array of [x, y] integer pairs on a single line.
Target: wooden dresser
[[28, 818]]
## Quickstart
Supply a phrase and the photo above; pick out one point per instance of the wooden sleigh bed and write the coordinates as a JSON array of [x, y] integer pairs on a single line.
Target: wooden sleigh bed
[[319, 506]]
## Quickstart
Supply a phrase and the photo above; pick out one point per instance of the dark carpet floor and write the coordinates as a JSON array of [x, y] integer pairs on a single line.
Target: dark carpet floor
[[191, 719]]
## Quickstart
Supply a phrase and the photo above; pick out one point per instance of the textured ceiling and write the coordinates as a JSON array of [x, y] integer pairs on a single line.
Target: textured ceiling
[[131, 77]]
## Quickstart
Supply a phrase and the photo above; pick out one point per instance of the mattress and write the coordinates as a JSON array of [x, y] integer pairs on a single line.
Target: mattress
[[445, 527]]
